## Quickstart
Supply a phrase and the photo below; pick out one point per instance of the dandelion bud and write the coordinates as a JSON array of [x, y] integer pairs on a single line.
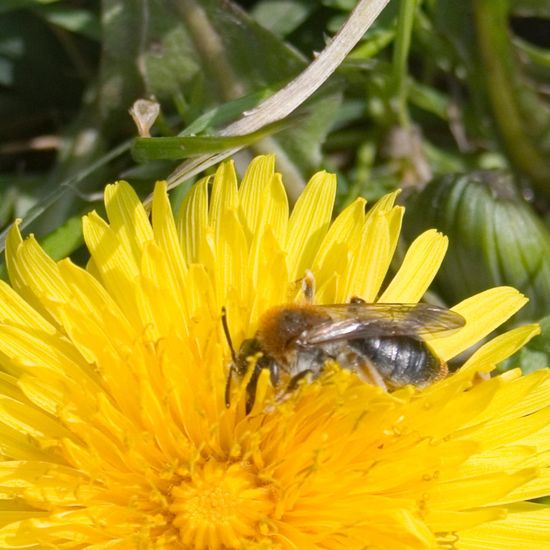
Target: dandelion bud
[[495, 238]]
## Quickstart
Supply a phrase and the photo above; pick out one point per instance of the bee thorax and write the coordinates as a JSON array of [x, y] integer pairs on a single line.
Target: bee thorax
[[280, 327]]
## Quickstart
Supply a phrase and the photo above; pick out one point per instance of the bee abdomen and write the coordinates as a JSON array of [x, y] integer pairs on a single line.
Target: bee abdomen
[[400, 360]]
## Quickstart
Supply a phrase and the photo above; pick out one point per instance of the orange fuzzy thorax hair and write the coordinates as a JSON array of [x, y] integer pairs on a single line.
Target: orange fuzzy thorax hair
[[280, 326]]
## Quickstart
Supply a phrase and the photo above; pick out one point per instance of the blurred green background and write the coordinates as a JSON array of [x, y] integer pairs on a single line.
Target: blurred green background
[[448, 100]]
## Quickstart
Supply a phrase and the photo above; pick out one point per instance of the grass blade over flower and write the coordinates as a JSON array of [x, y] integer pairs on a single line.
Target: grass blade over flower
[[114, 431]]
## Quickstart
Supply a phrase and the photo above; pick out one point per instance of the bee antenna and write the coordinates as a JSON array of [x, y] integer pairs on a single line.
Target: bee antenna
[[228, 335], [233, 366]]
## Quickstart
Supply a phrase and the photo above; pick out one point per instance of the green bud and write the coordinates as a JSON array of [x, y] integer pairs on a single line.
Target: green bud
[[495, 237]]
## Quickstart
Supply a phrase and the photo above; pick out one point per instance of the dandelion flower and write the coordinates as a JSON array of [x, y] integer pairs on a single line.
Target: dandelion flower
[[114, 427]]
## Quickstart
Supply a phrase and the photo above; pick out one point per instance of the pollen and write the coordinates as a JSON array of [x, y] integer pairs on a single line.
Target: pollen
[[219, 506]]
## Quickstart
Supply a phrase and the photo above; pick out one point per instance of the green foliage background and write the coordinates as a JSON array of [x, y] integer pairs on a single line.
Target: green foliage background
[[447, 100]]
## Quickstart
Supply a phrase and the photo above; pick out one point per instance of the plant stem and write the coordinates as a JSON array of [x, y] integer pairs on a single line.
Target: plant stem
[[401, 48], [521, 117]]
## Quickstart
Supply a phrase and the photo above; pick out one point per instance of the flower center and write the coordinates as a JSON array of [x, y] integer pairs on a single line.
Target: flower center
[[219, 506]]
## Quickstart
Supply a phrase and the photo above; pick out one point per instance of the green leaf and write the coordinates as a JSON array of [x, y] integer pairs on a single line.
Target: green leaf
[[282, 17], [60, 243], [161, 148], [430, 99], [76, 20], [64, 240], [374, 42]]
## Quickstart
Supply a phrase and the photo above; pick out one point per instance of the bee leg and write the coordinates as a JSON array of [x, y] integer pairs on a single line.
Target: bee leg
[[369, 374], [295, 380], [251, 388], [308, 286], [360, 365], [233, 368]]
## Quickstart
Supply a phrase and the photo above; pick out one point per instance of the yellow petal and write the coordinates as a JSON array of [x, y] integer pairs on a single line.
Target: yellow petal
[[369, 264], [525, 528], [419, 268], [494, 434], [224, 195], [95, 309], [18, 445], [385, 204], [20, 279], [161, 305], [371, 260], [165, 231], [254, 191], [192, 221], [483, 312], [13, 242], [272, 202], [14, 310], [31, 421], [535, 488], [498, 349], [309, 222], [518, 396], [463, 494], [117, 266], [231, 259], [442, 521], [127, 217], [269, 258], [343, 236]]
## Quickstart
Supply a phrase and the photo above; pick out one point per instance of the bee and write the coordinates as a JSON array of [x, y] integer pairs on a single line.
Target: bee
[[382, 343]]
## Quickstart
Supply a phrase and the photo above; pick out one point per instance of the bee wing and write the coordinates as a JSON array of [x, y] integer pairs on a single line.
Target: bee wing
[[362, 320]]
